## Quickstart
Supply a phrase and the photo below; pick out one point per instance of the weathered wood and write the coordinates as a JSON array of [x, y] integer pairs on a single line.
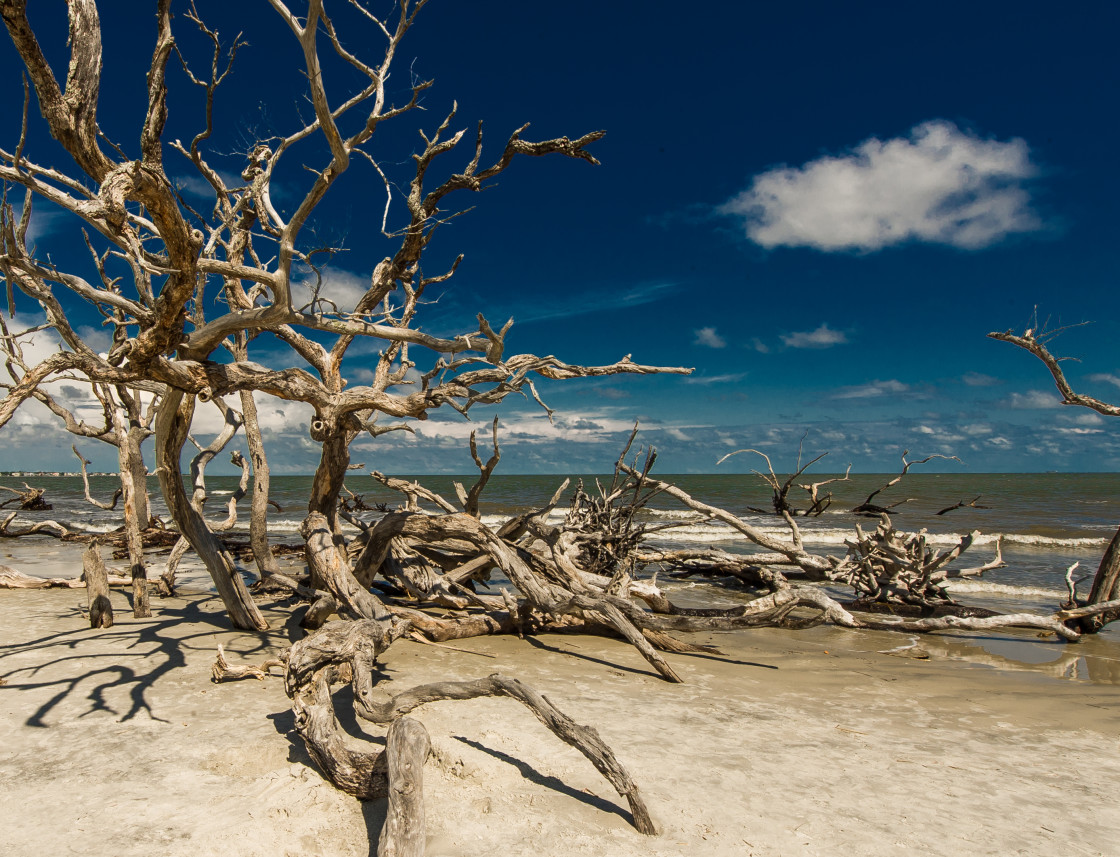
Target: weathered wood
[[29, 499], [545, 596], [96, 577], [172, 424], [258, 514], [407, 747], [330, 570], [222, 670], [50, 528], [83, 463], [1106, 587], [348, 651], [12, 579], [583, 738], [133, 505]]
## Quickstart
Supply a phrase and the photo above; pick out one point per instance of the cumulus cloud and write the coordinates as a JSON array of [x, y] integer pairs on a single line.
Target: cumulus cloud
[[822, 337], [1033, 399], [871, 390], [938, 185], [760, 346], [709, 337]]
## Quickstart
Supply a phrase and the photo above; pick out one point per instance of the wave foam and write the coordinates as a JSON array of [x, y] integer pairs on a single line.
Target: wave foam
[[987, 587], [836, 536]]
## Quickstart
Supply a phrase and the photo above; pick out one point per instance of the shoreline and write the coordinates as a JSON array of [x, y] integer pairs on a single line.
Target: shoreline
[[810, 742]]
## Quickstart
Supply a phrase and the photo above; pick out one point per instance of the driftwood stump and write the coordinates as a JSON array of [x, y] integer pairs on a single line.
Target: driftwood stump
[[407, 748], [96, 577]]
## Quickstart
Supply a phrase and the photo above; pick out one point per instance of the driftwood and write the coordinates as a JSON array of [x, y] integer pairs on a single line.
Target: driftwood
[[29, 499], [780, 489], [873, 510], [963, 504], [100, 504], [348, 651], [49, 528], [1106, 582], [222, 670], [12, 579], [407, 746], [97, 588]]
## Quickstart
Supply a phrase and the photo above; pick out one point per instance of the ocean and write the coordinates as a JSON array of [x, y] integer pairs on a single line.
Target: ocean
[[1046, 521]]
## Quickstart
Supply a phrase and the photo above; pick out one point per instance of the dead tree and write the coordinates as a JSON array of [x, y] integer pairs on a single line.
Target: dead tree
[[232, 421], [193, 283], [169, 321], [125, 425], [873, 510], [1106, 582], [780, 499], [29, 499], [888, 567]]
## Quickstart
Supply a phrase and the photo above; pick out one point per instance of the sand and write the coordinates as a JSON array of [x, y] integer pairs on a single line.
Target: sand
[[117, 743]]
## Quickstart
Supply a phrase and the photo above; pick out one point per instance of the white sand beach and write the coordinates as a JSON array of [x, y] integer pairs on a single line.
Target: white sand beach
[[814, 742]]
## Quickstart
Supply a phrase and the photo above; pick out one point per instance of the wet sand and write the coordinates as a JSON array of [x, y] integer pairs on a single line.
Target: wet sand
[[815, 742]]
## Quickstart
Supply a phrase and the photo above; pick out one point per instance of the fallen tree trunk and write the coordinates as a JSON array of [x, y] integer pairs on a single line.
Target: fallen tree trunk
[[348, 651], [12, 579]]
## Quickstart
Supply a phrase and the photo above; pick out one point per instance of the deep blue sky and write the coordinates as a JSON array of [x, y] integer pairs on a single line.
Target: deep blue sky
[[821, 207]]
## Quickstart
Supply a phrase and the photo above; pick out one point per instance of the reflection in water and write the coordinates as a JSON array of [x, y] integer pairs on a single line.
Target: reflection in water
[[1092, 660]]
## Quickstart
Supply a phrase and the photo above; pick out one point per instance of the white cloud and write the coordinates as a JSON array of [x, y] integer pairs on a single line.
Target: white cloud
[[760, 346], [871, 390], [822, 337], [709, 337], [1033, 399], [715, 379], [1087, 418], [1106, 378], [979, 379], [976, 429], [938, 184], [1072, 430], [197, 186], [341, 288]]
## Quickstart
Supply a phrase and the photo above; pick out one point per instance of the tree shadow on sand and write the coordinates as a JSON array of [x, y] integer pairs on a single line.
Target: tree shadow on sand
[[133, 656]]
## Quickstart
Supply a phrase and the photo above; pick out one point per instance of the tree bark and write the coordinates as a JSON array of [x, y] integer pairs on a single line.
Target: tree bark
[[172, 424], [258, 514], [133, 522], [1106, 587], [96, 577], [331, 472], [406, 749], [331, 572]]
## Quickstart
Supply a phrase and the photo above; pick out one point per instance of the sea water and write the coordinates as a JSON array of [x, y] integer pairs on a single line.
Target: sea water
[[1044, 522]]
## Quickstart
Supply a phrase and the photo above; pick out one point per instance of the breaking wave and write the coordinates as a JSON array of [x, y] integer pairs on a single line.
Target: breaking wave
[[836, 536], [987, 587]]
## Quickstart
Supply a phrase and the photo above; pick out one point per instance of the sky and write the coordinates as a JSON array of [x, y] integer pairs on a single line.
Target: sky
[[820, 208]]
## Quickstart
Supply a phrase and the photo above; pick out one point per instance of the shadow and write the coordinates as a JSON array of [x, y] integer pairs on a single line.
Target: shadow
[[724, 659], [158, 645], [535, 640], [284, 722], [549, 782], [374, 812], [538, 643]]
